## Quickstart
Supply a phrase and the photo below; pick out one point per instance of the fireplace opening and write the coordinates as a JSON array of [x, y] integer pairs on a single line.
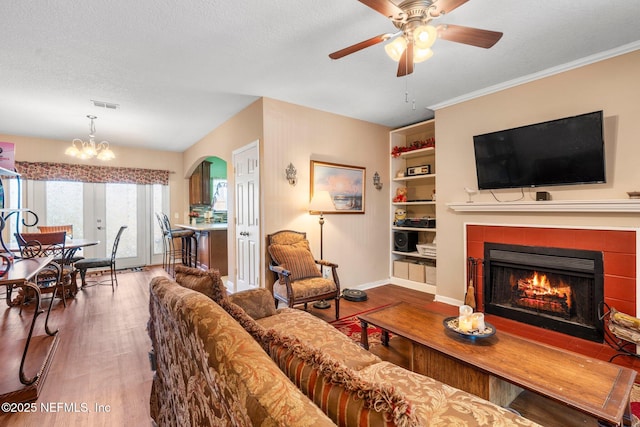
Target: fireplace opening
[[553, 288]]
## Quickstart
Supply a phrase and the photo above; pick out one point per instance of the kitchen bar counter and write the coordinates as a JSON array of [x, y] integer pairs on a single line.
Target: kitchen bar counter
[[212, 245], [203, 226]]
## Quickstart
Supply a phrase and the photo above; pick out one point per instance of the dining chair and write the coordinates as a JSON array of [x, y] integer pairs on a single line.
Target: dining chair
[[68, 228], [56, 277], [83, 265], [53, 228]]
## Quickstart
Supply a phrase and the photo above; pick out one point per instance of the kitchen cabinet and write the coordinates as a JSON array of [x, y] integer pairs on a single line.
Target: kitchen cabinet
[[200, 185]]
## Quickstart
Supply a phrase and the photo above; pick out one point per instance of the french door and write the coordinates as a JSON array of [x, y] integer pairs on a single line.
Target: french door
[[97, 211]]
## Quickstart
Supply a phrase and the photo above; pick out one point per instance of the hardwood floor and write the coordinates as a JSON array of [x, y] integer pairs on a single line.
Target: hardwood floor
[[100, 370]]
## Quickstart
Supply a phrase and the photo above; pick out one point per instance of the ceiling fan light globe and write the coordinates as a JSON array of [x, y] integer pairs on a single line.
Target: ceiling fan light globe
[[425, 36], [421, 55], [395, 48]]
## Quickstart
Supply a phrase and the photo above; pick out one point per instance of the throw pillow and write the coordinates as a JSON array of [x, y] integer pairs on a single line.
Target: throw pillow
[[297, 259], [206, 282], [257, 303]]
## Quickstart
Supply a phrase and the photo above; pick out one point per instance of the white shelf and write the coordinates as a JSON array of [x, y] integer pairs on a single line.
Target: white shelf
[[415, 177], [587, 206], [413, 203], [417, 153], [432, 230], [413, 254]]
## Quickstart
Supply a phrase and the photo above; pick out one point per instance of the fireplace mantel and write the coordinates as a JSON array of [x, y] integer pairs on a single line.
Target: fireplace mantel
[[604, 206]]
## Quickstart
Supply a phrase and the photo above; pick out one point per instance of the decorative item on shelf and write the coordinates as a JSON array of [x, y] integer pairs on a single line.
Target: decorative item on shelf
[[470, 192], [376, 181], [291, 174], [415, 145], [401, 195], [433, 195], [419, 170], [89, 149], [400, 216]]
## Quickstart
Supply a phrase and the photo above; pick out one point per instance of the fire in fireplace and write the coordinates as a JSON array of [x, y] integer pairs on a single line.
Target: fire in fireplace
[[553, 288], [539, 294]]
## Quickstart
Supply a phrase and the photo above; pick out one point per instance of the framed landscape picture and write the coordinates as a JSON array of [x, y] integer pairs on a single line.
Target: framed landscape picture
[[344, 183]]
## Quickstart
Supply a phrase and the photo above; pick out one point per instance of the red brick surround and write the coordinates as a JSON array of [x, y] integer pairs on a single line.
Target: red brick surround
[[619, 249]]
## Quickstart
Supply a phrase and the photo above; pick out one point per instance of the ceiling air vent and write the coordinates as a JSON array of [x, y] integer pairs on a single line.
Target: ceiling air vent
[[104, 104]]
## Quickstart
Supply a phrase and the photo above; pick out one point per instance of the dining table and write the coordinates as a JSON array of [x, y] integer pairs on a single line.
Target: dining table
[[71, 248]]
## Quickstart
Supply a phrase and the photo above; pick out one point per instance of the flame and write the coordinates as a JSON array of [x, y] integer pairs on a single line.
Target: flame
[[540, 285]]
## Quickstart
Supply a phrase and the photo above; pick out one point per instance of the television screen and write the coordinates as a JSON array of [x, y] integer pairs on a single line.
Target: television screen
[[558, 152]]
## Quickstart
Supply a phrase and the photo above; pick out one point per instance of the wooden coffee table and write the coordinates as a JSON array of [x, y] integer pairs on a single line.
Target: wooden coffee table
[[501, 367]]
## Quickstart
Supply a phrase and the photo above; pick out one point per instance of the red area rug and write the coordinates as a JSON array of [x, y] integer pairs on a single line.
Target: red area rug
[[350, 326]]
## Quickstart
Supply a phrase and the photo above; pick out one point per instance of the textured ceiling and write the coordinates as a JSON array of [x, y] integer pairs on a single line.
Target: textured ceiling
[[180, 68]]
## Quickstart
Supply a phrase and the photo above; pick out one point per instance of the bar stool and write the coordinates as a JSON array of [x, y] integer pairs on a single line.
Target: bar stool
[[187, 253]]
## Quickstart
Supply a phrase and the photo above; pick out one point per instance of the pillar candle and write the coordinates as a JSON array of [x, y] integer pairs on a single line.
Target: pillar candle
[[465, 323], [477, 320]]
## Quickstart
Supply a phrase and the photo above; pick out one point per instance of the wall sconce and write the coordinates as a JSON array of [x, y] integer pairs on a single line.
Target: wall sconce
[[291, 174], [376, 181]]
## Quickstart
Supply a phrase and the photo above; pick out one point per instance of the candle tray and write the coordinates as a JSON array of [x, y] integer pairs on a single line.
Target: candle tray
[[451, 323]]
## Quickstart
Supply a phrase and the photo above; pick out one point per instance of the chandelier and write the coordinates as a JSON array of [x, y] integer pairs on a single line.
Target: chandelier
[[90, 149]]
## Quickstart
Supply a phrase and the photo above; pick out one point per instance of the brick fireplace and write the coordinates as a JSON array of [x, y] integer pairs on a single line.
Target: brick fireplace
[[619, 252]]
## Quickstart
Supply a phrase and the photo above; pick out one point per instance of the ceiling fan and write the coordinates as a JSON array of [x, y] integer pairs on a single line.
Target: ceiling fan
[[413, 42]]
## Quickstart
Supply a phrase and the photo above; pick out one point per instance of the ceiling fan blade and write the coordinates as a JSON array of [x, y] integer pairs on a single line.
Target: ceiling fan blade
[[467, 35], [385, 7], [446, 6], [405, 65], [359, 46]]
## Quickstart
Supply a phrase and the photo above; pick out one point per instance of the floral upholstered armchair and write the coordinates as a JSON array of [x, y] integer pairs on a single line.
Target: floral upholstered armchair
[[299, 276]]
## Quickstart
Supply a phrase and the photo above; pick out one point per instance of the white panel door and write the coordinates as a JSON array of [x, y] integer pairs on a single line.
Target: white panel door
[[247, 188]]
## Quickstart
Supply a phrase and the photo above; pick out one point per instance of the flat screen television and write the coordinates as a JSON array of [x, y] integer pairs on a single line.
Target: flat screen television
[[558, 152]]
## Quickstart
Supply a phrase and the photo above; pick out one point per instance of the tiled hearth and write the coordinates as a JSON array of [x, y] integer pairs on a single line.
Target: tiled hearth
[[619, 247]]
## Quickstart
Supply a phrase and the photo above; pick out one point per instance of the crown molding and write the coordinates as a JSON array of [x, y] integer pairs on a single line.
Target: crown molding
[[621, 50]]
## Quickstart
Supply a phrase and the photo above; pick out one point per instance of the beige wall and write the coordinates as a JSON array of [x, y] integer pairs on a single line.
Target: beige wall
[[291, 133], [49, 150], [358, 243], [611, 85]]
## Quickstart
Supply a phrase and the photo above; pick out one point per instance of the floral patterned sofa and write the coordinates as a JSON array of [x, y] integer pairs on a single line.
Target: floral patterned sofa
[[236, 360]]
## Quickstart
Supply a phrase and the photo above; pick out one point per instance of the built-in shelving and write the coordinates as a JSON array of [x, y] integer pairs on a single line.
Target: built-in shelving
[[405, 267]]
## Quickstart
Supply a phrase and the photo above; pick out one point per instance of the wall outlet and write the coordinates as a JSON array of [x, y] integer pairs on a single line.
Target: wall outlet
[[176, 215], [325, 272]]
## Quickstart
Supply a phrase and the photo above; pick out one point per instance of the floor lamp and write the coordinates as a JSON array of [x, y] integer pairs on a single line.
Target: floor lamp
[[320, 203]]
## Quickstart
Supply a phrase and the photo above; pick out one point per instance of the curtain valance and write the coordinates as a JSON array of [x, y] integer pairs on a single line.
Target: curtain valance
[[43, 171]]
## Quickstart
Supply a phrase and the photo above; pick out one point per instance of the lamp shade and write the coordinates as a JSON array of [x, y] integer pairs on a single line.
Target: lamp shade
[[395, 48], [421, 55], [321, 202], [425, 36]]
